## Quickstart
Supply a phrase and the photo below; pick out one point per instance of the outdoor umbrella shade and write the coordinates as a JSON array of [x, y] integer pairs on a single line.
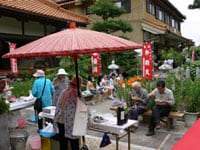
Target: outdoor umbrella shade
[[73, 42]]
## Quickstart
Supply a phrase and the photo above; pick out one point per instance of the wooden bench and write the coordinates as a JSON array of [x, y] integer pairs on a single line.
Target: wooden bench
[[169, 121], [171, 116], [93, 98]]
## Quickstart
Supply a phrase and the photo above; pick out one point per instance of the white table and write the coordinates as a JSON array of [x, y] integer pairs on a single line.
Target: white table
[[22, 102], [110, 126], [16, 109]]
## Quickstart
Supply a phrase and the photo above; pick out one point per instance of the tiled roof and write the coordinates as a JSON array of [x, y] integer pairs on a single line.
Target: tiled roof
[[43, 8]]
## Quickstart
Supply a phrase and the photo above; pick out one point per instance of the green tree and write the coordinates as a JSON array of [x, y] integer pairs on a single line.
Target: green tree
[[196, 52], [110, 23], [172, 54], [84, 65], [195, 5]]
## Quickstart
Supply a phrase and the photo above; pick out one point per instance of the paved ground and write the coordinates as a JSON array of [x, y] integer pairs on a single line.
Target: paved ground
[[162, 140]]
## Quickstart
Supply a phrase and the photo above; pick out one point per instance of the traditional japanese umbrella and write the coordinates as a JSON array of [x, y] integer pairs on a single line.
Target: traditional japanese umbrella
[[73, 42]]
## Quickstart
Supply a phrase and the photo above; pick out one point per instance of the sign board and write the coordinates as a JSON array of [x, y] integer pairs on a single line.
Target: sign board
[[96, 63], [13, 61], [147, 62]]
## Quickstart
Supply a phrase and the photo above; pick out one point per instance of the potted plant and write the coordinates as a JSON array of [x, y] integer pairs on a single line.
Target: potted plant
[[191, 98], [4, 109]]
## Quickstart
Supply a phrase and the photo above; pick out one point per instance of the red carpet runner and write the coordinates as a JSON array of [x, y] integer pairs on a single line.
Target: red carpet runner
[[190, 140]]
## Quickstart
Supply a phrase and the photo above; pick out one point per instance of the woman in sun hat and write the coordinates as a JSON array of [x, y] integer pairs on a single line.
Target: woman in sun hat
[[60, 83], [37, 89]]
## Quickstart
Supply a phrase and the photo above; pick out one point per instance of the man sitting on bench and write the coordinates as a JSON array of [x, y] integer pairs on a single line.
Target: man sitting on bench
[[164, 99], [139, 97]]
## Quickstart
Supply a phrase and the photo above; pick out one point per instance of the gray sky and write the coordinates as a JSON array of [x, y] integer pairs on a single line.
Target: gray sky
[[191, 26]]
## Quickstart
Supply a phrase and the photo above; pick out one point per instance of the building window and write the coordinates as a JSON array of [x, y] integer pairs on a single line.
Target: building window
[[124, 3], [166, 18], [161, 15], [150, 7], [127, 5], [173, 23], [170, 21], [119, 4], [148, 36]]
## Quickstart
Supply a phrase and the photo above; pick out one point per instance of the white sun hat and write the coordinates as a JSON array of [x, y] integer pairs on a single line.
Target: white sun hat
[[62, 72], [39, 73]]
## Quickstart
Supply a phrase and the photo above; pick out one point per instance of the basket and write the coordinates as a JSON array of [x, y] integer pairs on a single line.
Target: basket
[[46, 134]]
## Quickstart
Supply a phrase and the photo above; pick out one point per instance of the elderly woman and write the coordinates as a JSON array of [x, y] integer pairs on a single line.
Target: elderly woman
[[139, 97], [64, 115], [60, 83]]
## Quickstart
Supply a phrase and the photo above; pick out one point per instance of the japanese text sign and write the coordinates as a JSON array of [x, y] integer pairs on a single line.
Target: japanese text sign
[[95, 59], [147, 63], [13, 61]]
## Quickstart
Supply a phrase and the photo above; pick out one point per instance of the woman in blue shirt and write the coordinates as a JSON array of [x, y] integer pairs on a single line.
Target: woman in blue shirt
[[37, 89]]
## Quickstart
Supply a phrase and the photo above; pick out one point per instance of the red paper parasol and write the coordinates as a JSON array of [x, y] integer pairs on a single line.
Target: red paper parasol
[[73, 42]]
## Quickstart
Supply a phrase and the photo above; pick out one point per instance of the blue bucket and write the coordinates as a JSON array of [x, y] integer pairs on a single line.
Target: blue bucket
[[33, 118]]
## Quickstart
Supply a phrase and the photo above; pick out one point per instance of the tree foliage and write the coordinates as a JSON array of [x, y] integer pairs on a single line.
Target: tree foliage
[[106, 9], [84, 65], [195, 5], [110, 23], [172, 54], [110, 26]]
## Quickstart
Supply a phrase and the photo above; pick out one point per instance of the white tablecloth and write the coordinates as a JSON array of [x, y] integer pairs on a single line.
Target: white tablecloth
[[110, 125], [22, 103]]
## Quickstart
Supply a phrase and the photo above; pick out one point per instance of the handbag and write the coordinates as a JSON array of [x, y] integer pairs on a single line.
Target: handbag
[[105, 140], [80, 119], [38, 105], [38, 102]]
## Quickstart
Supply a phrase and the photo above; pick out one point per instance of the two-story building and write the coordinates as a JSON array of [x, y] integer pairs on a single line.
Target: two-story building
[[156, 21]]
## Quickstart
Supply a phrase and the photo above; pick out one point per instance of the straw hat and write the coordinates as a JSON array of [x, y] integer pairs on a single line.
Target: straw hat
[[39, 73], [62, 72]]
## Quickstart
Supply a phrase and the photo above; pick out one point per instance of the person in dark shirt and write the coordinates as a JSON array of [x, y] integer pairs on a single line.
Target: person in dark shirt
[[139, 97]]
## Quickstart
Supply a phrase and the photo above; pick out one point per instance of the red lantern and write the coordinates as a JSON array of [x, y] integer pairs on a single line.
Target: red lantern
[[13, 61], [96, 63]]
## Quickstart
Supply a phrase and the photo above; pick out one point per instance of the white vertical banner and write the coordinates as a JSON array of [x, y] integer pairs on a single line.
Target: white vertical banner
[[13, 61]]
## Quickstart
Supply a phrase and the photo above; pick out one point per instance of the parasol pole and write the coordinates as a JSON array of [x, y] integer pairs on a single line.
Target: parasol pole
[[75, 57], [72, 25]]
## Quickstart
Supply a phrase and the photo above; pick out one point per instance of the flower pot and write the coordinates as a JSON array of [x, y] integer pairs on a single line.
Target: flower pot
[[190, 118]]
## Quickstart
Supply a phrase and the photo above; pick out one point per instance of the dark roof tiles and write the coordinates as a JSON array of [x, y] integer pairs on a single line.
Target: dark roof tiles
[[43, 8]]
